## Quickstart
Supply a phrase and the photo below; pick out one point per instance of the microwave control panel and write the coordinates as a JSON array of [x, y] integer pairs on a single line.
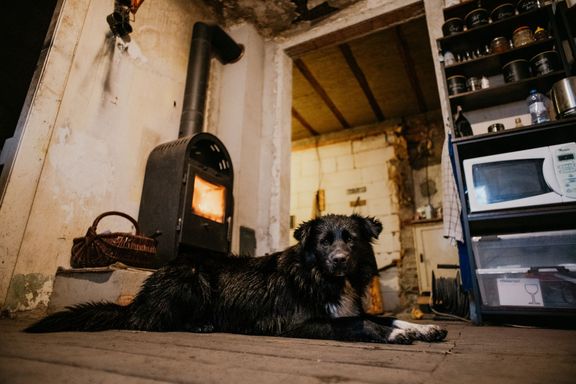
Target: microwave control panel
[[564, 156]]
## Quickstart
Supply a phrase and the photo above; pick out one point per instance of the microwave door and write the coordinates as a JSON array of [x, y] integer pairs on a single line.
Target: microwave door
[[510, 184]]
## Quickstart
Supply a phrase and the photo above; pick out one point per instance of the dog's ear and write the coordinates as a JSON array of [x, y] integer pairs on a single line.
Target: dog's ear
[[370, 225], [302, 233]]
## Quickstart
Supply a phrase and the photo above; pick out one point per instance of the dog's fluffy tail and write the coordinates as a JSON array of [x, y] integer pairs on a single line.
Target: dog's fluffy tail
[[88, 317]]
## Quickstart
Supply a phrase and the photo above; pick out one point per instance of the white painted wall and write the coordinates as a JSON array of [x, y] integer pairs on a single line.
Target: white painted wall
[[257, 139], [97, 112]]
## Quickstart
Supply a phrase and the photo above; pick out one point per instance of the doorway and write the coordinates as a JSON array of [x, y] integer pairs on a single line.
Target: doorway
[[367, 132]]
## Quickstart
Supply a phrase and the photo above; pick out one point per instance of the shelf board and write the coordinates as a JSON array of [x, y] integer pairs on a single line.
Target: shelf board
[[520, 220], [482, 35], [492, 64], [525, 311], [509, 136], [506, 93], [568, 208]]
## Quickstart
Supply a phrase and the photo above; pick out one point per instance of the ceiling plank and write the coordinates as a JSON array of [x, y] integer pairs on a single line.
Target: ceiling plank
[[303, 68], [366, 27], [409, 67], [361, 78], [304, 123]]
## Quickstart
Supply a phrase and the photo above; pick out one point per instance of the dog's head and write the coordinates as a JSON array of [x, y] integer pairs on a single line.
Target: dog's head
[[338, 243]]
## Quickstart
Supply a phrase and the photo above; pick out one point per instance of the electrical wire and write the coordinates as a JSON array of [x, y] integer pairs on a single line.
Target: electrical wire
[[447, 298]]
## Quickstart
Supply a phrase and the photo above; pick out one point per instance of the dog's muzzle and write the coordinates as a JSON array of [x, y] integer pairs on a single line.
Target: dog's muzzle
[[338, 263]]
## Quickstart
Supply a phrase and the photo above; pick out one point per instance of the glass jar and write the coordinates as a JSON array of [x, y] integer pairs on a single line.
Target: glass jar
[[499, 44], [522, 36]]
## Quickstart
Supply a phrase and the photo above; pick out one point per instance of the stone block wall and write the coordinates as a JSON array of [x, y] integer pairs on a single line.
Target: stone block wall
[[369, 175]]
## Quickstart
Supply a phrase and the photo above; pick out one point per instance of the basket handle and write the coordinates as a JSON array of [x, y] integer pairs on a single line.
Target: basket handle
[[116, 213]]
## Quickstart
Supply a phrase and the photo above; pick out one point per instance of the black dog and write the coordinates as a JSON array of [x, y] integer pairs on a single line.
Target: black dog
[[311, 290]]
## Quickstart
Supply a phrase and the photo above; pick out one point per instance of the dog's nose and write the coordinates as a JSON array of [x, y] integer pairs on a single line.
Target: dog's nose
[[339, 259]]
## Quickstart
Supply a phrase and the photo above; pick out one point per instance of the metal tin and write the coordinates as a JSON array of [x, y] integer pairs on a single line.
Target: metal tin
[[502, 11], [473, 84], [477, 17], [563, 96], [522, 36], [452, 26], [527, 5], [516, 70], [456, 84], [545, 62], [496, 127], [499, 44]]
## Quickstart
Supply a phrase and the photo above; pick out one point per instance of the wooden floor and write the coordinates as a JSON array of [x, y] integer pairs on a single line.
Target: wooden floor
[[469, 355]]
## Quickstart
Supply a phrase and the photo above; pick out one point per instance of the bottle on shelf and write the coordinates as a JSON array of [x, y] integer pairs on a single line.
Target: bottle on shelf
[[462, 126], [537, 107]]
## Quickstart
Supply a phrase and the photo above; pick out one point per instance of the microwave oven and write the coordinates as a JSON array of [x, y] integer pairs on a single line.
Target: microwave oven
[[537, 176]]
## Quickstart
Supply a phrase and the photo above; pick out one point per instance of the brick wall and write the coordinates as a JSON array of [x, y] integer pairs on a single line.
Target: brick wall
[[369, 175]]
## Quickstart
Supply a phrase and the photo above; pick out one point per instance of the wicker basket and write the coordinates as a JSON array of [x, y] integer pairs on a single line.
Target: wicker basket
[[103, 249]]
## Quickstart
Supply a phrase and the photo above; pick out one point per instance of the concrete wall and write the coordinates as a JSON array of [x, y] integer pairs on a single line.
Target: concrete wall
[[96, 113], [99, 109]]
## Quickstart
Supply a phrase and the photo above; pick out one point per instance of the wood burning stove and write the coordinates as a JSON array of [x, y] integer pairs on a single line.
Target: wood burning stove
[[187, 196], [187, 193]]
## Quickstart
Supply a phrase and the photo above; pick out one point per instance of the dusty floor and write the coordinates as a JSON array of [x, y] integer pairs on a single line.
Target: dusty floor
[[469, 355]]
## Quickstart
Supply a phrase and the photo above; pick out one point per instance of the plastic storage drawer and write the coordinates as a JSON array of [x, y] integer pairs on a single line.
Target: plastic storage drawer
[[527, 250], [537, 287]]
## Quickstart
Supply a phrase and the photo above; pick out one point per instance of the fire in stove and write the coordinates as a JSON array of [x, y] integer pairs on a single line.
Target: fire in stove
[[187, 196], [208, 200]]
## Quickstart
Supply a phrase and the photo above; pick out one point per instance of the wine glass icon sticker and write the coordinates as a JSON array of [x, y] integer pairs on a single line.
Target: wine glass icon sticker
[[532, 290]]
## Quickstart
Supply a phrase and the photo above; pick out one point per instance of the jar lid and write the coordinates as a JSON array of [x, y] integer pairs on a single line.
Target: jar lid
[[515, 61], [544, 53], [476, 11], [504, 5], [453, 19], [521, 28], [500, 39]]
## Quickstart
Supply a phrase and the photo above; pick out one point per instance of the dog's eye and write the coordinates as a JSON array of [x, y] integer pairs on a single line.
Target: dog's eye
[[347, 237], [325, 241]]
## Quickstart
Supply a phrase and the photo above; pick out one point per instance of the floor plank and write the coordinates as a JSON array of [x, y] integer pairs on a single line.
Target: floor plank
[[469, 355], [25, 371]]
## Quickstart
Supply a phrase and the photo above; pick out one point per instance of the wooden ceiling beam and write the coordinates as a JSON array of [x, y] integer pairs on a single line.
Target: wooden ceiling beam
[[361, 78], [364, 28], [409, 67], [305, 124], [303, 68]]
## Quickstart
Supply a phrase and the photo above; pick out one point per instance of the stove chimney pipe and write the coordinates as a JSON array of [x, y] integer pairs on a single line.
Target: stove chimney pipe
[[206, 40]]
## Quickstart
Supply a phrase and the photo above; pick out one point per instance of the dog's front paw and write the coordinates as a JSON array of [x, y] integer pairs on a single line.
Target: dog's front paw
[[422, 332], [431, 333], [400, 336]]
